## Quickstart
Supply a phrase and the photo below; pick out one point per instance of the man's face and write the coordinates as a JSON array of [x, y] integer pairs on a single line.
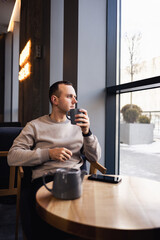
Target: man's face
[[67, 98]]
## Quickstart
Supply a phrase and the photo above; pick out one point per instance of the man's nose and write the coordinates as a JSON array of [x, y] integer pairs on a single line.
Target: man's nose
[[75, 100]]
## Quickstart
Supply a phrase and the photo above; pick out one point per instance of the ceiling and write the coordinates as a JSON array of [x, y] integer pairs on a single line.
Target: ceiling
[[6, 8]]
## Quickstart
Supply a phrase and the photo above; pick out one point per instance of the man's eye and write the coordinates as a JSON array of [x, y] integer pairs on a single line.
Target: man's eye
[[71, 96]]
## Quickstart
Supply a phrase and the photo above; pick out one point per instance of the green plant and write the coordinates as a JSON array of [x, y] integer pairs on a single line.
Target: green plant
[[131, 113], [144, 119]]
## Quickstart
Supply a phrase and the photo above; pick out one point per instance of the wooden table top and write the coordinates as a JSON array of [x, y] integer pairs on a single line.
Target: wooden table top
[[131, 205]]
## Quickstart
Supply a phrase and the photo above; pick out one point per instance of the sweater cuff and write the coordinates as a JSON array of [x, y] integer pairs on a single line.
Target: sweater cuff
[[44, 155], [88, 134]]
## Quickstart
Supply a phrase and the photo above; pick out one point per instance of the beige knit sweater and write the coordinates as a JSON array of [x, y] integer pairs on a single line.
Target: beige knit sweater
[[31, 147]]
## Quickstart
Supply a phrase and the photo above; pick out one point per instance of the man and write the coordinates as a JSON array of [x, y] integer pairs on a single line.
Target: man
[[52, 142]]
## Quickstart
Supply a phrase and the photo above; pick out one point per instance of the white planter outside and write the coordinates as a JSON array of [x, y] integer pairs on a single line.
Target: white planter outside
[[136, 133]]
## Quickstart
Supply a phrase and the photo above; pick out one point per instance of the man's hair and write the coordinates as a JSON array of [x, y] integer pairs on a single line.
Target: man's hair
[[54, 88]]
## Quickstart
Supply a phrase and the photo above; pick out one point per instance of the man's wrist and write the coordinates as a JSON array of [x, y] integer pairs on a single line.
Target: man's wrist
[[87, 134]]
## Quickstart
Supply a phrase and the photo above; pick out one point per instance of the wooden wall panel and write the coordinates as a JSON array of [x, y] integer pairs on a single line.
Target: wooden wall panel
[[70, 41], [33, 91]]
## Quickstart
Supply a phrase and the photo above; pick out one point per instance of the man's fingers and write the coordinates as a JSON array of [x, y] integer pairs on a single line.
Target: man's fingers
[[65, 156], [67, 153], [61, 154], [83, 111]]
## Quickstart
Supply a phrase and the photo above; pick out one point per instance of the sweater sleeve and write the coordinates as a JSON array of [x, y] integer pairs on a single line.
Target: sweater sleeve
[[22, 152], [91, 148]]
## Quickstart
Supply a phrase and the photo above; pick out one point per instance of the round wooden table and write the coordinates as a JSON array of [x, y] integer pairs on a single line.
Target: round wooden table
[[127, 210]]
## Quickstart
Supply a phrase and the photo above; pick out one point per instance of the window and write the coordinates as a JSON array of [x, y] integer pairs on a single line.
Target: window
[[140, 141], [133, 81]]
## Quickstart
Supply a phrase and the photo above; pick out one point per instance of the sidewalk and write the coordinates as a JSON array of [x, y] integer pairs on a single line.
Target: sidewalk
[[141, 160]]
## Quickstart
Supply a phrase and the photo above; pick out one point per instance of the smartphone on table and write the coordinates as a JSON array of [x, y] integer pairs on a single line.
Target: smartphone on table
[[105, 178]]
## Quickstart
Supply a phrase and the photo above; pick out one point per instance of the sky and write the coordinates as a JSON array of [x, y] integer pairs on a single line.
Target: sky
[[142, 16]]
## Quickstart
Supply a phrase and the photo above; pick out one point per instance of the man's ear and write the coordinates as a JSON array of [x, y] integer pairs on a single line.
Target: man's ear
[[54, 99]]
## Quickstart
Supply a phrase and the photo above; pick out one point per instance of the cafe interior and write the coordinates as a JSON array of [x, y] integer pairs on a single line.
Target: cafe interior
[[42, 42]]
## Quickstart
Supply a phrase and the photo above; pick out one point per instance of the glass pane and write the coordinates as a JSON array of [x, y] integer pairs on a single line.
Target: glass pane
[[140, 38], [140, 134]]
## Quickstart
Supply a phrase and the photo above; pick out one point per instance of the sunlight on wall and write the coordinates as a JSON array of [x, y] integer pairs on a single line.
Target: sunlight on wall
[[24, 62]]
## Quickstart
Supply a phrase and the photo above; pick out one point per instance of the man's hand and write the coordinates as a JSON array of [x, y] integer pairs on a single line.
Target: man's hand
[[83, 117], [60, 154]]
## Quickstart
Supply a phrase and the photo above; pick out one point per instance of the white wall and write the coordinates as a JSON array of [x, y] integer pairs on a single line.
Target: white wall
[[15, 71], [11, 75], [8, 77], [56, 41], [92, 64]]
